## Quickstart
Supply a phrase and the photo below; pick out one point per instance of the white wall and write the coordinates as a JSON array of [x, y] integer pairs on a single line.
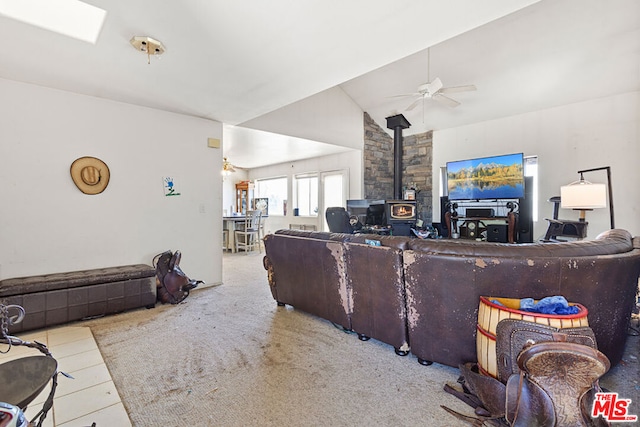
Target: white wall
[[330, 116], [351, 161], [47, 225], [592, 134]]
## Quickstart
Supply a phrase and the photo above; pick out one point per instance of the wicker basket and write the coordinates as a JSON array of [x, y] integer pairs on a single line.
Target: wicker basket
[[489, 314]]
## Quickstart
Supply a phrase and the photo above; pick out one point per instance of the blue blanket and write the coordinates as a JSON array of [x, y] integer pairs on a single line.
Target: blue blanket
[[548, 305]]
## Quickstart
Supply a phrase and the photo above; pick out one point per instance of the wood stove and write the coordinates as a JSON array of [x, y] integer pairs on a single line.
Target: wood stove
[[401, 215]]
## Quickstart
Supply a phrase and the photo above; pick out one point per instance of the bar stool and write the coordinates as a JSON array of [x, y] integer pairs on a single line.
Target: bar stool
[[225, 239], [248, 237]]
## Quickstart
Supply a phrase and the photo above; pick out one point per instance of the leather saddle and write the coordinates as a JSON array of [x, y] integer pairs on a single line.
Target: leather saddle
[[512, 335], [556, 385], [173, 285], [552, 382]]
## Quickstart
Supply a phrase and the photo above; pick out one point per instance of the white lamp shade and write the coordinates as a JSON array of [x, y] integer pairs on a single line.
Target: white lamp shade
[[583, 195]]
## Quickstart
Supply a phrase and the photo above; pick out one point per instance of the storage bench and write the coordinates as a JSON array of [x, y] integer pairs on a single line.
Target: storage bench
[[53, 299]]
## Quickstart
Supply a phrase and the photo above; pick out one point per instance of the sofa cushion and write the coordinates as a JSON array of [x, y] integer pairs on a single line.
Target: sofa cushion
[[376, 278], [311, 234], [398, 242], [444, 280], [308, 273], [610, 242]]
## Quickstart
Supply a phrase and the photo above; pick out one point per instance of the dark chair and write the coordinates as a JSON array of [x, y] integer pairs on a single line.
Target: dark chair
[[338, 220], [563, 227]]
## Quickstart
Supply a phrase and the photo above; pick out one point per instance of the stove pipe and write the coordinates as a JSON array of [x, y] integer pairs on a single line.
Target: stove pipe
[[397, 123]]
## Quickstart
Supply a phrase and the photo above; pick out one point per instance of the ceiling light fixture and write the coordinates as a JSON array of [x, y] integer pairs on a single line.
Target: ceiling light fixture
[[227, 167], [148, 45]]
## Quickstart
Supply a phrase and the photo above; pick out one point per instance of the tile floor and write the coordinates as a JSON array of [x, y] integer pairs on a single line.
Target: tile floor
[[90, 397]]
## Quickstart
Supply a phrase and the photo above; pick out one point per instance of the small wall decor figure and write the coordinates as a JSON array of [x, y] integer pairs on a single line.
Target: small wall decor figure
[[170, 187]]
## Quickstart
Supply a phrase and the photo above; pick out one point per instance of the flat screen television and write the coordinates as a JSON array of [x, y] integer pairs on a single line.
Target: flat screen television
[[360, 207], [376, 215], [486, 178]]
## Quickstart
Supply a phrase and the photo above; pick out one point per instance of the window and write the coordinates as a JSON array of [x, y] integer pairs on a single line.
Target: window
[[334, 191], [71, 18], [307, 194], [275, 189], [531, 169]]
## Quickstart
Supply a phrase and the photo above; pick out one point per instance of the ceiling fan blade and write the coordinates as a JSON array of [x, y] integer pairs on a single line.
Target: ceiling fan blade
[[413, 104], [446, 100], [435, 86], [456, 89], [404, 95]]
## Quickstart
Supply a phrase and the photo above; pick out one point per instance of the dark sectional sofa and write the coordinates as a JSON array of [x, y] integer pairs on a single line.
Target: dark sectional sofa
[[422, 296]]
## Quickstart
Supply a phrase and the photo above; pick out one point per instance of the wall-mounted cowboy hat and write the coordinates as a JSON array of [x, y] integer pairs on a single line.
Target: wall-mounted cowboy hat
[[90, 175]]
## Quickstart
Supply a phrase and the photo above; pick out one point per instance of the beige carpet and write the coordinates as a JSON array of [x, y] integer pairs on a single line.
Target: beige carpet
[[229, 356]]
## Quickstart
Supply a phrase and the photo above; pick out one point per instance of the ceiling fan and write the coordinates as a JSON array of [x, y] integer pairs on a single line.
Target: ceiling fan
[[227, 167], [434, 89]]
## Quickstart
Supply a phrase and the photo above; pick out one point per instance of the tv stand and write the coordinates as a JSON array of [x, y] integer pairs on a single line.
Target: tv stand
[[491, 220], [472, 227]]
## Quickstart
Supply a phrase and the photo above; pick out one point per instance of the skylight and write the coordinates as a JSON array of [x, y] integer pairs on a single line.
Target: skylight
[[71, 18]]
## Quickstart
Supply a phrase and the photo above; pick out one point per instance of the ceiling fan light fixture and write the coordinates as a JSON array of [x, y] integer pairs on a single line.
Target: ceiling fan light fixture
[[148, 45], [424, 88], [227, 167], [434, 86]]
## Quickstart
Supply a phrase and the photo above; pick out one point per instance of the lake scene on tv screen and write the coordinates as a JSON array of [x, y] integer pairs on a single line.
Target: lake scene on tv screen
[[497, 177]]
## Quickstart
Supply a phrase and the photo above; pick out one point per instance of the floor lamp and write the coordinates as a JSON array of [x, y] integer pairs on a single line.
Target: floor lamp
[[583, 195]]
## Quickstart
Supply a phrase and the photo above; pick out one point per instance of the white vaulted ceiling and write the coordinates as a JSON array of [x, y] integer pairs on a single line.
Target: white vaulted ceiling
[[245, 63]]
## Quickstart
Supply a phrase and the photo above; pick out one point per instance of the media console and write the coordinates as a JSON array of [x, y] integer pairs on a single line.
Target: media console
[[493, 229], [498, 220]]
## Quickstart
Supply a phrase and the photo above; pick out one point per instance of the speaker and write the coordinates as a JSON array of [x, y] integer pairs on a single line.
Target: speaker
[[479, 212], [471, 229], [497, 233], [444, 201], [525, 213], [402, 228]]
